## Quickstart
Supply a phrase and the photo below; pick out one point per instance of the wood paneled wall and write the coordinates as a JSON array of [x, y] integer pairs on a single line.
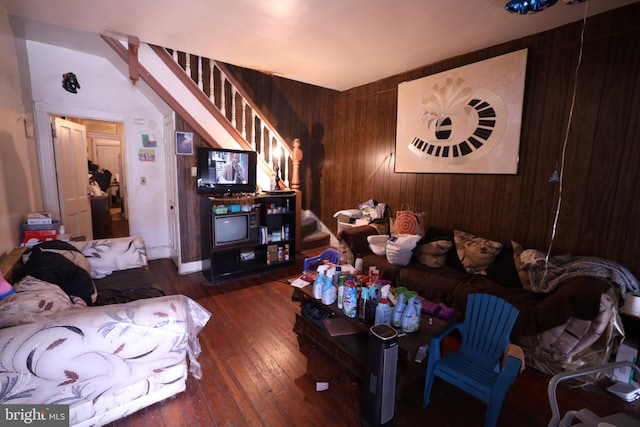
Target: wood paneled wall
[[347, 136]]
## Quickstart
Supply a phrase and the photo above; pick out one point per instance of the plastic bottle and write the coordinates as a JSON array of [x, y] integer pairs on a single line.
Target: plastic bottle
[[372, 303], [350, 302], [318, 284], [363, 302], [329, 291], [398, 309], [341, 292], [411, 316], [336, 275], [383, 311]]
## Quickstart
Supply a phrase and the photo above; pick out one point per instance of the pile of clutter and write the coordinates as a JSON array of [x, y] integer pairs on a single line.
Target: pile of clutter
[[366, 213], [370, 299]]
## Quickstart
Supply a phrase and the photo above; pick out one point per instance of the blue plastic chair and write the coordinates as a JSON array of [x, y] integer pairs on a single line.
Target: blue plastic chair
[[475, 368], [331, 255]]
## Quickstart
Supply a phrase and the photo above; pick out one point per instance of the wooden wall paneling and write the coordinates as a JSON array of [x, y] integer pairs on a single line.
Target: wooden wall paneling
[[361, 122], [442, 189], [627, 223], [188, 199], [386, 131], [535, 98], [552, 124], [363, 140], [579, 155], [603, 199], [452, 214]]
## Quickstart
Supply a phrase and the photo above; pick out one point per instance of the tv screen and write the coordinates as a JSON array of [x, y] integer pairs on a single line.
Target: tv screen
[[229, 229], [222, 170]]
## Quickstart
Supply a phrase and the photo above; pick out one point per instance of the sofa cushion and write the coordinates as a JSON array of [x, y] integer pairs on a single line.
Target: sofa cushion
[[526, 302], [127, 285], [434, 284], [475, 253]]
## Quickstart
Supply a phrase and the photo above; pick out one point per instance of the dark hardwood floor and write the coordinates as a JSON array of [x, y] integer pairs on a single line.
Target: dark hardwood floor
[[119, 225], [255, 373]]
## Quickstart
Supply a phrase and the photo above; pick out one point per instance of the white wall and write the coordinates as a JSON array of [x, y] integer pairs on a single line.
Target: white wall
[[106, 94], [19, 187]]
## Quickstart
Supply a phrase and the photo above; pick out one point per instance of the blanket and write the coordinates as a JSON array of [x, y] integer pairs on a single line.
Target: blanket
[[547, 276]]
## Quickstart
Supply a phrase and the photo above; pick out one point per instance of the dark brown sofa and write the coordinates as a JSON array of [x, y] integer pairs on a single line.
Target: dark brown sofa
[[574, 309]]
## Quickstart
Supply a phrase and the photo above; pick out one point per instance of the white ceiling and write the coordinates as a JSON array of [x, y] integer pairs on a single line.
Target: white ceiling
[[337, 44]]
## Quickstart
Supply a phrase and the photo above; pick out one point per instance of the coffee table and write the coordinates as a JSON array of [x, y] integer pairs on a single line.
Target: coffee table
[[350, 351]]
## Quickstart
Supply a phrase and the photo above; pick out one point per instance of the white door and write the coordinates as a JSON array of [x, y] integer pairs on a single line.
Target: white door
[[70, 150], [172, 192]]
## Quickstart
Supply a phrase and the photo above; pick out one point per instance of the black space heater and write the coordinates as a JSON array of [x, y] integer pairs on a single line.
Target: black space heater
[[378, 400]]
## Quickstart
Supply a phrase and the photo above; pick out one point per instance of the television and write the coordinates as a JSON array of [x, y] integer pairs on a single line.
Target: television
[[221, 170], [234, 229]]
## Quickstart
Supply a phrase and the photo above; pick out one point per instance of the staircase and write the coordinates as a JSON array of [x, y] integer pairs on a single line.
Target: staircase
[[222, 113], [312, 236]]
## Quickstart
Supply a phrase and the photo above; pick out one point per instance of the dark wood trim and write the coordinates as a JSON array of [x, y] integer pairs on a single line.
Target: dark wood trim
[[161, 91]]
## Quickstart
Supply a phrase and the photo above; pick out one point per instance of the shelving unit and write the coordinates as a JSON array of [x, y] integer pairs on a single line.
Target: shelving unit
[[274, 245]]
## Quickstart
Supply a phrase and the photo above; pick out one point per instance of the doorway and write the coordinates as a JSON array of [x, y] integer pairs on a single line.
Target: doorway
[[104, 146]]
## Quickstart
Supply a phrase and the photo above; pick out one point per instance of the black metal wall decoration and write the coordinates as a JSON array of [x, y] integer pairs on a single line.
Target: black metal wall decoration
[[70, 83]]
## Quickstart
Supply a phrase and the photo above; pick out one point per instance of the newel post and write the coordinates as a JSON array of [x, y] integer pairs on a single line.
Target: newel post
[[295, 172]]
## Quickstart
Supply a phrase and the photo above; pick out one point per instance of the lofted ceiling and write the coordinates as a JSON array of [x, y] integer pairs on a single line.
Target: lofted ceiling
[[337, 44]]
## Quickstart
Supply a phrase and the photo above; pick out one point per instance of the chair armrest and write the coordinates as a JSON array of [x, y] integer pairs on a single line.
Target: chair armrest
[[436, 341], [508, 373], [513, 350]]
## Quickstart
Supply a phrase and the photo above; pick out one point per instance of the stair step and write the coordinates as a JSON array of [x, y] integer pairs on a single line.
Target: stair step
[[314, 240], [308, 225]]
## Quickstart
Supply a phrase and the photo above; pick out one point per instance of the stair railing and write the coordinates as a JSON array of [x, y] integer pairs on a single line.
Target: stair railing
[[226, 94]]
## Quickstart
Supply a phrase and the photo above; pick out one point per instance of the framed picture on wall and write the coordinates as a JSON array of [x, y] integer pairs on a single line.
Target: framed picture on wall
[[464, 120], [184, 143]]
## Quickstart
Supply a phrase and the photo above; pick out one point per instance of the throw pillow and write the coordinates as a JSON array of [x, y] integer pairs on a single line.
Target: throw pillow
[[433, 254], [475, 253], [436, 233], [108, 255], [517, 260], [32, 298]]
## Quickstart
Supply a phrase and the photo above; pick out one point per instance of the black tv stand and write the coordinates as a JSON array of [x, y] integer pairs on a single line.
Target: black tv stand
[[277, 214]]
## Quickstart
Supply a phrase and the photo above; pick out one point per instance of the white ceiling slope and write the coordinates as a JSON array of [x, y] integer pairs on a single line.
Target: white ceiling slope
[[337, 44]]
